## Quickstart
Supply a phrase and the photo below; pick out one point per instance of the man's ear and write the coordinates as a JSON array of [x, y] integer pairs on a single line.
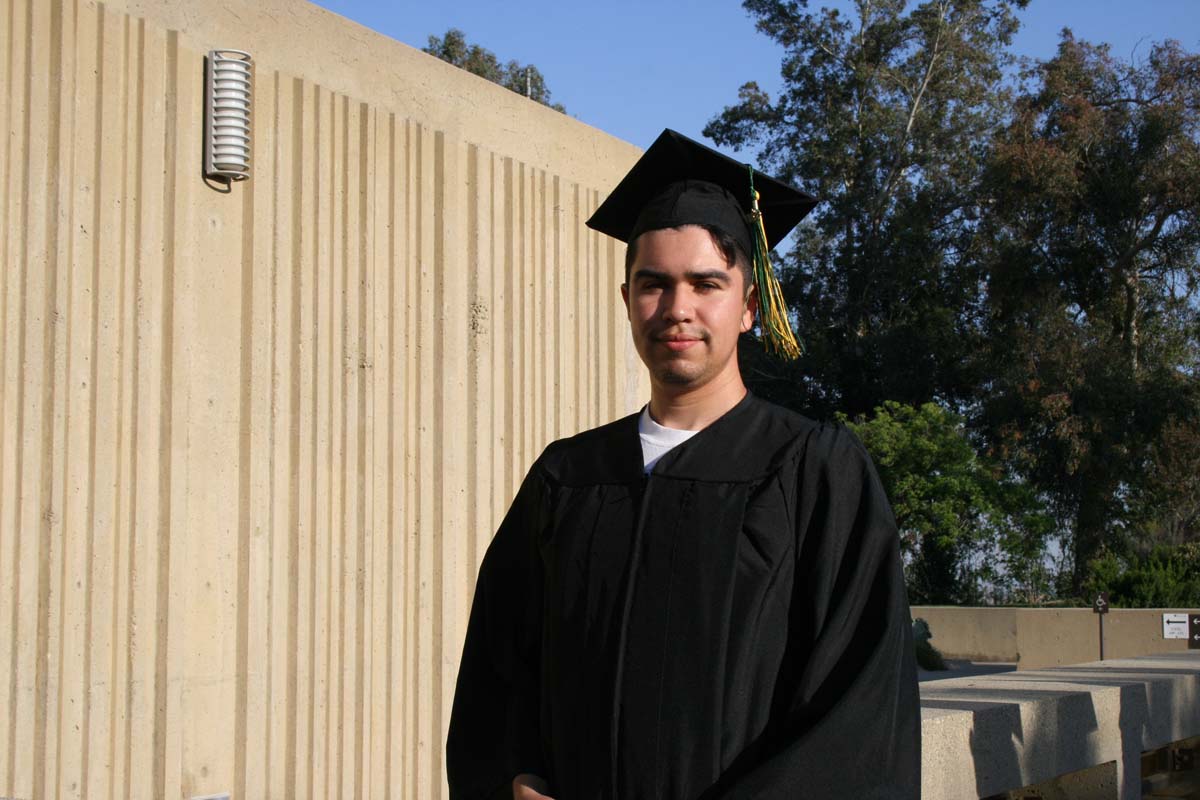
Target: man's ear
[[751, 309], [625, 298]]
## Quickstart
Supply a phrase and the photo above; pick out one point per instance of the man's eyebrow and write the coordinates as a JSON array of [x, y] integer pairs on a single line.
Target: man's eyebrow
[[647, 273]]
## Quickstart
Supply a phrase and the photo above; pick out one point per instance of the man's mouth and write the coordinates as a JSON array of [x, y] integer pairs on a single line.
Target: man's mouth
[[679, 342]]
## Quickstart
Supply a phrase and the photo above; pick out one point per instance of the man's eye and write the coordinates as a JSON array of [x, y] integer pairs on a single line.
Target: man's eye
[[707, 286]]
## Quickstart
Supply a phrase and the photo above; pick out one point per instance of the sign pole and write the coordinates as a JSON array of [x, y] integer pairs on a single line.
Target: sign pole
[[1100, 608]]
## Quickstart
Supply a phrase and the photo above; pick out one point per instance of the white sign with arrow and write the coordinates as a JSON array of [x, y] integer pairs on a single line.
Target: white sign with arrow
[[1175, 626]]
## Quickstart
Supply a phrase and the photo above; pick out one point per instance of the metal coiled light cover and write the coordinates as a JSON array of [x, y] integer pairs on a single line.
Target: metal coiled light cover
[[227, 114]]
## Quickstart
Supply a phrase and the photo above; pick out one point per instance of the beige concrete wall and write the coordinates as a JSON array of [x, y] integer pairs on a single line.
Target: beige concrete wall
[[253, 445], [1047, 637], [977, 634]]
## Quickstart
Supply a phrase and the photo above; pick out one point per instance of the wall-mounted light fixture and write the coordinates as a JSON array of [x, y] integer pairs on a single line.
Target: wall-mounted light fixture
[[228, 85]]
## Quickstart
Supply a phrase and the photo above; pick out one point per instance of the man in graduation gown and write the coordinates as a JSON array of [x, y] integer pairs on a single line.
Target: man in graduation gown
[[703, 600]]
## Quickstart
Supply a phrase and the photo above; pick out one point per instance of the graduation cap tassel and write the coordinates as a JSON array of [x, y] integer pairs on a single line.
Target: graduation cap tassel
[[772, 308]]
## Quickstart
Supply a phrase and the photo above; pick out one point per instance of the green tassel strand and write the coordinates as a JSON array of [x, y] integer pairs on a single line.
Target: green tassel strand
[[777, 332]]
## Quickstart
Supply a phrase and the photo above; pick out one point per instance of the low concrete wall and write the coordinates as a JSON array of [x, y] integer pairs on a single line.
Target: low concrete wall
[[977, 634], [983, 736], [1047, 637]]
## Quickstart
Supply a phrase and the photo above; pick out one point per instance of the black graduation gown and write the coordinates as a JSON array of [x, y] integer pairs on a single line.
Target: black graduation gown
[[733, 625]]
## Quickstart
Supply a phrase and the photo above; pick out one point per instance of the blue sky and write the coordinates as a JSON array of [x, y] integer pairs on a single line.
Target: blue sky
[[633, 68]]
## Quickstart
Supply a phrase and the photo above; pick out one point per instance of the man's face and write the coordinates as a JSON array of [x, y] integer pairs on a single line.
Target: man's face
[[686, 307]]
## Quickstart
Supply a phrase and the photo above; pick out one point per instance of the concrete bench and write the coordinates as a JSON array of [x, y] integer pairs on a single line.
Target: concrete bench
[[1085, 725]]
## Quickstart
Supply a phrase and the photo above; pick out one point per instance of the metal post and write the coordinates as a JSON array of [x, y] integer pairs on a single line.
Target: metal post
[[1100, 608]]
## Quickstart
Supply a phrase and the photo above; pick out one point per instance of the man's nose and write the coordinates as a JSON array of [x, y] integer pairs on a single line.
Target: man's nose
[[678, 306]]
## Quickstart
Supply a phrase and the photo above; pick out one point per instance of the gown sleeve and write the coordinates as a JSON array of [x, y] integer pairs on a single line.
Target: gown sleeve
[[847, 719], [493, 734]]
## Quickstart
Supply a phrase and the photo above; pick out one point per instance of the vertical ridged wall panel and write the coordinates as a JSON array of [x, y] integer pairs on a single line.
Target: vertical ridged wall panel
[[253, 444]]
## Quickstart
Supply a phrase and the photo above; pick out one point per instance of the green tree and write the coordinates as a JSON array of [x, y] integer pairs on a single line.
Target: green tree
[[886, 115], [970, 532], [1023, 253], [1167, 503], [1093, 224], [524, 79], [1164, 577]]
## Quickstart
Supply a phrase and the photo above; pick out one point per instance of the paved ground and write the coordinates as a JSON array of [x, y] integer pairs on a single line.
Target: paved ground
[[966, 669]]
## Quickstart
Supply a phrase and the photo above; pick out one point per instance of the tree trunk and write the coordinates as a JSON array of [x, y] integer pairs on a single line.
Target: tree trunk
[[1091, 522], [936, 573], [1132, 299]]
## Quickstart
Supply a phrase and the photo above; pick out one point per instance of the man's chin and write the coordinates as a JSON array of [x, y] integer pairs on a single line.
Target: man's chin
[[678, 374]]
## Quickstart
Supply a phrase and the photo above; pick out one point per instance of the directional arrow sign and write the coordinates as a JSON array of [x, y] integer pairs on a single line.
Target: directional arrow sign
[[1193, 631]]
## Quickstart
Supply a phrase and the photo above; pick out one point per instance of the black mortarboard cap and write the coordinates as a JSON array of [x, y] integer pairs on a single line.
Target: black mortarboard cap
[[678, 181], [681, 182]]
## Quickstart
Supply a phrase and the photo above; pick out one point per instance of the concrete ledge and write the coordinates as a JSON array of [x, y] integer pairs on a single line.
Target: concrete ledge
[[986, 735]]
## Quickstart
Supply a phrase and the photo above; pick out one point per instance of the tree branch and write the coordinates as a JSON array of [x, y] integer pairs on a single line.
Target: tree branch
[[895, 172]]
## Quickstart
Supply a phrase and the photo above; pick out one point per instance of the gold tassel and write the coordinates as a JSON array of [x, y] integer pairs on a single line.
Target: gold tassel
[[772, 309]]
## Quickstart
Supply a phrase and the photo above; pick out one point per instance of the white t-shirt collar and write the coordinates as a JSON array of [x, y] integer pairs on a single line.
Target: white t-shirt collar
[[658, 440]]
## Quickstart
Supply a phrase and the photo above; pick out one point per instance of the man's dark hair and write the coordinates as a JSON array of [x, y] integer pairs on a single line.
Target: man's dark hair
[[735, 255]]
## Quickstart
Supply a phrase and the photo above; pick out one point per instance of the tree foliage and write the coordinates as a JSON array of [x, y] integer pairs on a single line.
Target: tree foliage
[[1018, 247], [524, 79], [1094, 217], [1166, 503], [1165, 577], [886, 117], [969, 531]]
